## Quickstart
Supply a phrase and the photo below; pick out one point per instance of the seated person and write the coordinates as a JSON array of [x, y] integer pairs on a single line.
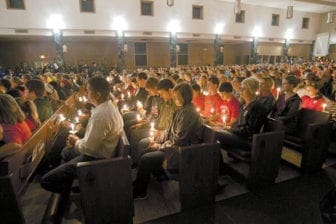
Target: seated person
[[287, 105], [313, 100], [13, 122], [265, 93], [100, 140], [181, 132], [198, 97], [36, 92], [7, 148], [212, 101], [29, 108], [250, 120], [229, 106], [139, 137]]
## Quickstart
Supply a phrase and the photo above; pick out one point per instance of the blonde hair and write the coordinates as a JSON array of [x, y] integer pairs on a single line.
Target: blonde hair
[[10, 111]]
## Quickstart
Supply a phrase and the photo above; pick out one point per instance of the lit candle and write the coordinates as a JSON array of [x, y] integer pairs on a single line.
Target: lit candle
[[61, 117], [76, 119], [212, 111], [257, 93], [114, 88], [80, 99], [198, 109], [84, 99], [122, 96], [205, 93], [224, 120], [108, 79], [73, 130], [80, 113], [138, 117], [278, 92], [129, 94], [152, 124], [139, 105], [324, 107], [125, 107]]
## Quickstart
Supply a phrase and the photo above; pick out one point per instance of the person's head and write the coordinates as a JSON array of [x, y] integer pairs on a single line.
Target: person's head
[[249, 87], [196, 89], [29, 109], [266, 84], [289, 83], [308, 78], [312, 90], [151, 85], [213, 83], [13, 113], [182, 94], [236, 83], [26, 78], [16, 81], [98, 90], [141, 79], [35, 89], [202, 80], [5, 85], [165, 87], [225, 90]]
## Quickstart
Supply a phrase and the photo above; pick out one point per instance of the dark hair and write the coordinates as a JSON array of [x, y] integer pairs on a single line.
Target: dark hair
[[291, 79], [36, 86], [6, 83], [142, 76], [99, 85], [151, 83], [214, 80], [165, 84], [185, 91], [225, 87], [196, 87]]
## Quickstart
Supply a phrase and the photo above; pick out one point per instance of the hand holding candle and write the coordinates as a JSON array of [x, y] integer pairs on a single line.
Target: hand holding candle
[[224, 117], [61, 118], [72, 129], [324, 107]]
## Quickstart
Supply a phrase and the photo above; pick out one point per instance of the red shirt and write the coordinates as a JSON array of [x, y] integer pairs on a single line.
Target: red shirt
[[198, 101], [31, 124], [16, 133], [312, 103], [230, 109], [210, 102]]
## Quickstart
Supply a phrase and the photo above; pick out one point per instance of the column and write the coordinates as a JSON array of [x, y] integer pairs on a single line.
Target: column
[[285, 50], [58, 38], [218, 57], [121, 53], [254, 55], [311, 53], [172, 49]]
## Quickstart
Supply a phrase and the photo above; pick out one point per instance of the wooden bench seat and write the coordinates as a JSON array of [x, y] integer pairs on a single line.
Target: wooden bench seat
[[263, 159], [310, 140]]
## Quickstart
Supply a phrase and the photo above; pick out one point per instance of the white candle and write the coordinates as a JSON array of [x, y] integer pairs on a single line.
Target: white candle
[[198, 109], [84, 99], [278, 92], [73, 130], [224, 117], [152, 124], [129, 94], [324, 107], [139, 105], [79, 112], [80, 99], [125, 107], [122, 96], [76, 119], [212, 111], [205, 93], [138, 117], [61, 117], [257, 93]]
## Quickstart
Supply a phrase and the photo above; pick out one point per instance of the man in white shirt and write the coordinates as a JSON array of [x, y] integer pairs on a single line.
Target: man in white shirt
[[99, 142]]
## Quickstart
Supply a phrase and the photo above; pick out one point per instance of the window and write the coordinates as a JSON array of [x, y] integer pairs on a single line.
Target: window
[[197, 12], [87, 5], [305, 23], [240, 17], [182, 58], [147, 8], [140, 50], [275, 19], [15, 4]]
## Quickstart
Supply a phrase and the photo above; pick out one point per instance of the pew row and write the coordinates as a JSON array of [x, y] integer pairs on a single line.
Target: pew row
[[17, 167], [308, 146], [261, 164], [106, 187]]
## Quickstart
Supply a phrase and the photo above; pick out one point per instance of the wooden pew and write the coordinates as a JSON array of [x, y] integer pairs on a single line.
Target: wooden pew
[[307, 147], [17, 168], [263, 161], [198, 171], [106, 187]]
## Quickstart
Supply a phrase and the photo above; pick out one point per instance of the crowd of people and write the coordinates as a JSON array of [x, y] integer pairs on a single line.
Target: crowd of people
[[160, 109]]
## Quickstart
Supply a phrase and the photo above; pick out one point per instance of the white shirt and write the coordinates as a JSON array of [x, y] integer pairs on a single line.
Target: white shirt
[[102, 132]]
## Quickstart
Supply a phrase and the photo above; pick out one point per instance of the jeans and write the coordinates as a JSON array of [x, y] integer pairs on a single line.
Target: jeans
[[59, 180], [138, 144]]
